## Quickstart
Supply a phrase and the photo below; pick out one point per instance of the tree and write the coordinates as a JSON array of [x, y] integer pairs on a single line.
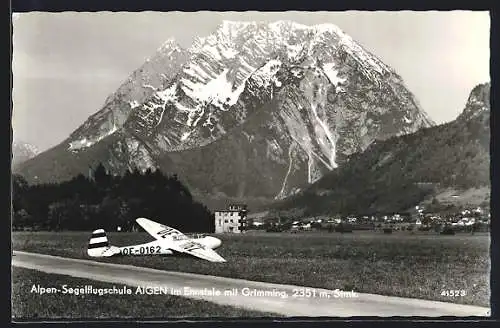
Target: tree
[[21, 219], [58, 216], [108, 201], [109, 212], [19, 183]]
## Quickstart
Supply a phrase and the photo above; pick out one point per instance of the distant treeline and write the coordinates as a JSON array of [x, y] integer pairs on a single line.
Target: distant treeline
[[106, 201]]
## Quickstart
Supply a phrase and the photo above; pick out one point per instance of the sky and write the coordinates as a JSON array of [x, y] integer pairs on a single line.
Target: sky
[[66, 64]]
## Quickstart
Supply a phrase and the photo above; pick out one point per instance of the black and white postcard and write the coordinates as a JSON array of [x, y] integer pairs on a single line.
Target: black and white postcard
[[250, 164]]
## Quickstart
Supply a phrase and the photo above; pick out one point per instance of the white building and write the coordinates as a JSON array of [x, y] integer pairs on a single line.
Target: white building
[[232, 220]]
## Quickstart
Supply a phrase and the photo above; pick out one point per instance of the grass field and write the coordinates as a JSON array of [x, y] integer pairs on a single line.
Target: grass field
[[34, 306], [400, 264]]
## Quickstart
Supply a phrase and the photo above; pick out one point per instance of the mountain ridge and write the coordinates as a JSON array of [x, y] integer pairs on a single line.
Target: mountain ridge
[[320, 96], [22, 151]]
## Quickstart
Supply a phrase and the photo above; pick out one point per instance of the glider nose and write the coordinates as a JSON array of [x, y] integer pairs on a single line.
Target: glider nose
[[216, 242], [212, 242]]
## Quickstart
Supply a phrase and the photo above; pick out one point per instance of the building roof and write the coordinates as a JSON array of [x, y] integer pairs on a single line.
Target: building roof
[[233, 211]]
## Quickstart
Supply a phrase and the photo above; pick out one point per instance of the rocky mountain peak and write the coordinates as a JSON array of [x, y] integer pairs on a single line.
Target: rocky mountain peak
[[276, 105], [478, 102], [168, 45], [22, 151]]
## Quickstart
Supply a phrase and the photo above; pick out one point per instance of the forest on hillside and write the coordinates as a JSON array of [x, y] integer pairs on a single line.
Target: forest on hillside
[[107, 201]]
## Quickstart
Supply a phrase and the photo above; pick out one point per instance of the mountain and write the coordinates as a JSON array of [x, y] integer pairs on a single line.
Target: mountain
[[22, 151], [253, 110], [478, 103], [436, 164]]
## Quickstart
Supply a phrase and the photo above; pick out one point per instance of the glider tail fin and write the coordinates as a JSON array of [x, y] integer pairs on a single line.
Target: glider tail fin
[[98, 243]]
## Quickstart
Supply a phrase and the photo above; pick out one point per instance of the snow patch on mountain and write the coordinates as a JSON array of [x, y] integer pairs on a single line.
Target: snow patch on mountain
[[314, 172], [332, 74], [267, 74], [134, 104], [228, 53], [186, 135], [282, 194], [169, 94], [219, 91], [329, 150], [149, 86], [407, 120], [294, 51], [87, 142]]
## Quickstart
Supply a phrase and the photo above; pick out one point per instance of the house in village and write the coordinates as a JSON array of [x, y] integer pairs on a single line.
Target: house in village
[[231, 220]]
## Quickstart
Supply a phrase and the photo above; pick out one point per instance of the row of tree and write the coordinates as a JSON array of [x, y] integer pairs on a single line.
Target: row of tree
[[107, 201]]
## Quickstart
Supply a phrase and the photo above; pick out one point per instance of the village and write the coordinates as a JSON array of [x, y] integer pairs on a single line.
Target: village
[[236, 219]]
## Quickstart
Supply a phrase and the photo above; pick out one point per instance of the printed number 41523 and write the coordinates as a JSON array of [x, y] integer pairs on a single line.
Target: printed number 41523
[[453, 292]]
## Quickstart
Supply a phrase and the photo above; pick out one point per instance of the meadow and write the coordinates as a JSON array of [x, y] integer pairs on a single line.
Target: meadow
[[399, 264], [35, 306]]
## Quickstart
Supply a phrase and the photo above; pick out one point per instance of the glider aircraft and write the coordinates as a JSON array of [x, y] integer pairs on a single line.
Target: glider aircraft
[[169, 241]]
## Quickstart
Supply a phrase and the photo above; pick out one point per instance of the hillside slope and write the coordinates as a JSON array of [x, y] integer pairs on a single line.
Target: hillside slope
[[396, 174]]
